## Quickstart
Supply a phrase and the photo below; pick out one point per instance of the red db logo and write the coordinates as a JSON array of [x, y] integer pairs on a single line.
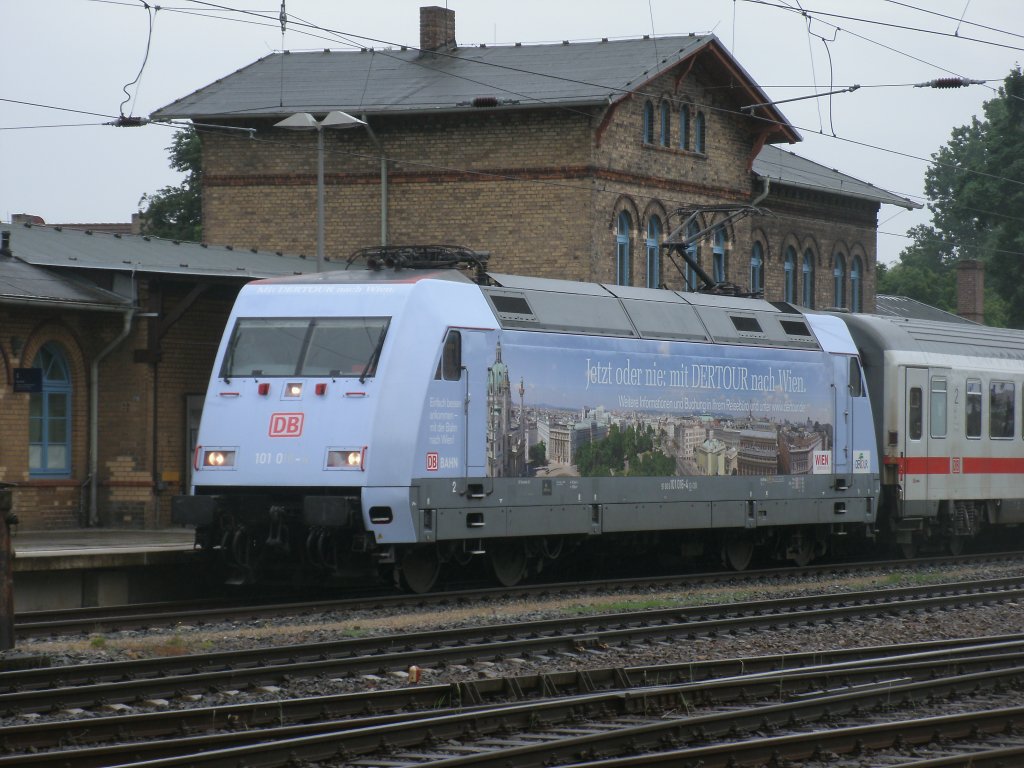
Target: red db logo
[[286, 424], [431, 462]]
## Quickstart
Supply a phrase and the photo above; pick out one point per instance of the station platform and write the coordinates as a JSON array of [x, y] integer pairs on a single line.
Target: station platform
[[98, 547], [85, 567]]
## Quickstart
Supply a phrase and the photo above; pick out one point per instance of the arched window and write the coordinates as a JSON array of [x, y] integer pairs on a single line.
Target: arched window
[[653, 252], [718, 256], [648, 123], [757, 268], [698, 133], [856, 289], [666, 125], [623, 248], [684, 127], [692, 279], [789, 279], [807, 297], [839, 281], [49, 417]]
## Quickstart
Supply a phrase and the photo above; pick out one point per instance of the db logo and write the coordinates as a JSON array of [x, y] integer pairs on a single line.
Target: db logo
[[431, 462], [286, 424]]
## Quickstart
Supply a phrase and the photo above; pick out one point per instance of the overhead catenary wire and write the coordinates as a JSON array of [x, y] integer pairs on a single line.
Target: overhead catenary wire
[[307, 31]]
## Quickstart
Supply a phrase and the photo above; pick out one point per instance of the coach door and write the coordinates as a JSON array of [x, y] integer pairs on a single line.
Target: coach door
[[914, 450]]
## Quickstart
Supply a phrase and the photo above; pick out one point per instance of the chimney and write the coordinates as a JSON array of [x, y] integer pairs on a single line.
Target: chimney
[[437, 29], [970, 290]]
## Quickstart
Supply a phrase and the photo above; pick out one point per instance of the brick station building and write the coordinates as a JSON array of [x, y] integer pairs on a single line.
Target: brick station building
[[107, 346], [565, 160]]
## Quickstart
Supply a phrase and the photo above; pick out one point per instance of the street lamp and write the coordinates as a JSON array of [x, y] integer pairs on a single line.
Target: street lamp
[[303, 121]]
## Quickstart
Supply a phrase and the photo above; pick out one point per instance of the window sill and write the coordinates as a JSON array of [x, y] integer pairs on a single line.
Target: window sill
[[675, 151]]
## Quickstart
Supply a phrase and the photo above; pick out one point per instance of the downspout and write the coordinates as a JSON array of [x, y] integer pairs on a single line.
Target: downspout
[[764, 193], [94, 409]]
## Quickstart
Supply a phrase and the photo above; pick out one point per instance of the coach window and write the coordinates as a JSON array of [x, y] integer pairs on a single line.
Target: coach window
[[449, 368], [937, 417], [1000, 409], [49, 420], [972, 413], [916, 413]]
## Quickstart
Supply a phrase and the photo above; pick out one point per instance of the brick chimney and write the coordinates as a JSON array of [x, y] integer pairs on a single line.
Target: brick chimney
[[437, 28], [970, 290]]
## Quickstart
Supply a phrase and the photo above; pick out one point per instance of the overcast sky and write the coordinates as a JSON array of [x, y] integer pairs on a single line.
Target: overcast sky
[[75, 58]]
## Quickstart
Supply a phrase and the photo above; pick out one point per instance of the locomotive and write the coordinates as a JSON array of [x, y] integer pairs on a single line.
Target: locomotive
[[415, 412]]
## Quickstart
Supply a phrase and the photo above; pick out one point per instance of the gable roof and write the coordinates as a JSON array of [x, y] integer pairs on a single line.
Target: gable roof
[[408, 81], [791, 170]]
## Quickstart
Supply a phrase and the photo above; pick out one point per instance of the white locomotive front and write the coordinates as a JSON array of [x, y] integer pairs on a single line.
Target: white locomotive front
[[304, 451]]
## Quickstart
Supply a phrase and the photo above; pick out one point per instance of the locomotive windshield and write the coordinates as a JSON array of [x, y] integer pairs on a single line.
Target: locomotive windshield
[[305, 346]]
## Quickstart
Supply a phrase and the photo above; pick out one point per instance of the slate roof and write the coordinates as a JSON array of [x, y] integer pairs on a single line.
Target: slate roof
[[50, 266], [784, 167], [912, 309], [22, 283], [406, 81], [84, 249]]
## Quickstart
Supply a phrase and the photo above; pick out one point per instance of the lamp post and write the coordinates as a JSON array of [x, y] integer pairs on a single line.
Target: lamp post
[[303, 121]]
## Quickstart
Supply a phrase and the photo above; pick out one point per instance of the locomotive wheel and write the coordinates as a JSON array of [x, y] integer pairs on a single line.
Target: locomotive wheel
[[420, 568], [508, 559], [803, 552], [908, 549], [737, 552], [956, 545]]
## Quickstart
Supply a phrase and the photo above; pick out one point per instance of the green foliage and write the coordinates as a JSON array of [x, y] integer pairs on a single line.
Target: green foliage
[[608, 457], [176, 212], [975, 187], [539, 454]]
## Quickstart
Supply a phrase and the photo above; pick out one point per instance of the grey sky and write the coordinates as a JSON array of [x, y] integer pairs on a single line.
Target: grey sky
[[79, 54]]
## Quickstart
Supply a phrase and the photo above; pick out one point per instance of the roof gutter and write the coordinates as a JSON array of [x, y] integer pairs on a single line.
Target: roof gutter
[[94, 408], [56, 304]]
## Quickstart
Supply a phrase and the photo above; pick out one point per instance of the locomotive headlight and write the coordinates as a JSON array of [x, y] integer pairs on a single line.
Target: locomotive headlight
[[293, 389], [217, 459], [346, 458]]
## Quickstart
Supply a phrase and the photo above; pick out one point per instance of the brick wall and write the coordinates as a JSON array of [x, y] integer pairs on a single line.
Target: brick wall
[[539, 189], [134, 488]]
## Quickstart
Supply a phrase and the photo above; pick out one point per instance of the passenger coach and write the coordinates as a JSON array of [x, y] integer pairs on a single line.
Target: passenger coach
[[948, 423]]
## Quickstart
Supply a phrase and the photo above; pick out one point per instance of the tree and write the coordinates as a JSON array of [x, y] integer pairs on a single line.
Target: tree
[[975, 187], [539, 454], [176, 212]]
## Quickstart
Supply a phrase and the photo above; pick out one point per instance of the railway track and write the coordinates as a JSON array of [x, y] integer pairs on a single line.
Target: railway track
[[529, 721], [52, 623], [91, 685]]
